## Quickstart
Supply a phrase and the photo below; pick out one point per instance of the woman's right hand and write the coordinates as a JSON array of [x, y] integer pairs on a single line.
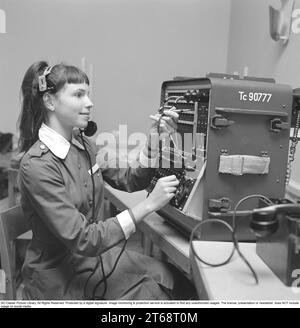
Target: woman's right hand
[[163, 192]]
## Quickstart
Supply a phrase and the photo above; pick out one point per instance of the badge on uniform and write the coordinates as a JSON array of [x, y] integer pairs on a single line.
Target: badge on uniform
[[95, 168]]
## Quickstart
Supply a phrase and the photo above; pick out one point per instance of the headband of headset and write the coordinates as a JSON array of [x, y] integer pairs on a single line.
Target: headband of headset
[[42, 79]]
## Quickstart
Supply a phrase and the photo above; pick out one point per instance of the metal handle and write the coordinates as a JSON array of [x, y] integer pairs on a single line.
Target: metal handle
[[223, 110]]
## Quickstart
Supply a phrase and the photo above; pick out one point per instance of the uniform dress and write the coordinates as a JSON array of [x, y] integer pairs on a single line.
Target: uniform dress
[[62, 261]]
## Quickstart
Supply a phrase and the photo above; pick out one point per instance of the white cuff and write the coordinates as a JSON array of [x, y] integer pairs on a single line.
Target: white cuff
[[146, 161], [126, 223]]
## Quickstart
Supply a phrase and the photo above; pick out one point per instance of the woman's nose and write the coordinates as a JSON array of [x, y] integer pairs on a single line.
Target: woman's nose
[[88, 103]]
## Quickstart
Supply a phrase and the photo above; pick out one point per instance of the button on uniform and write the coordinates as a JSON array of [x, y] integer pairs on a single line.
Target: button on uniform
[[43, 147], [85, 183]]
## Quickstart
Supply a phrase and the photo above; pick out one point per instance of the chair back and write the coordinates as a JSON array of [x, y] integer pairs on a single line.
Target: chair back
[[12, 225]]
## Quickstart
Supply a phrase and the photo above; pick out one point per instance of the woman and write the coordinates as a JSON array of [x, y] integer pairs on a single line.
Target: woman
[[74, 253]]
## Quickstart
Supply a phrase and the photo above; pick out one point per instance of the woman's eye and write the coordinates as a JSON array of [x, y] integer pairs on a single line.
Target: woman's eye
[[79, 94]]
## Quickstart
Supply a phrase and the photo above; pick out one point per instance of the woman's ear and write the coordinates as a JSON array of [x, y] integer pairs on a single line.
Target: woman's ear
[[49, 101]]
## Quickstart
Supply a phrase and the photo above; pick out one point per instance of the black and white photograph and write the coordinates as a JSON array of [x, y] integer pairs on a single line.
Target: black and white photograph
[[149, 156]]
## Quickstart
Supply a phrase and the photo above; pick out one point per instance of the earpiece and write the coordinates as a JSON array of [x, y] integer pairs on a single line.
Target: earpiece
[[263, 224], [265, 221]]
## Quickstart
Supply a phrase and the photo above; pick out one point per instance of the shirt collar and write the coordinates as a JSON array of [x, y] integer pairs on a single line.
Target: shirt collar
[[57, 144]]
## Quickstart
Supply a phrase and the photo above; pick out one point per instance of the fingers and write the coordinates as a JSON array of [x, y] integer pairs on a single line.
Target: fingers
[[166, 118], [170, 196], [163, 125], [171, 118], [169, 122], [172, 184], [169, 178], [166, 128], [167, 113], [170, 190], [169, 185], [155, 117], [171, 113]]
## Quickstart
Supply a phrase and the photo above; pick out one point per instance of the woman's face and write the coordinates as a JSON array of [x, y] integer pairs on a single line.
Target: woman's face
[[72, 105]]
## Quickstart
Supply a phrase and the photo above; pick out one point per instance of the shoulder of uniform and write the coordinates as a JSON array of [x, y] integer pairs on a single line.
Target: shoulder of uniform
[[37, 149], [37, 158]]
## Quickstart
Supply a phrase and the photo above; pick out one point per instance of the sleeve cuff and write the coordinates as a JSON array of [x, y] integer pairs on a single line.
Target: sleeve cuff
[[146, 161], [126, 223]]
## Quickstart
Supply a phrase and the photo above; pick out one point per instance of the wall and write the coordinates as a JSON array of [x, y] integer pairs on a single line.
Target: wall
[[133, 46], [250, 45]]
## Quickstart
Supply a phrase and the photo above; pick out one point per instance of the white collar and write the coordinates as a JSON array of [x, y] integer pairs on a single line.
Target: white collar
[[57, 144]]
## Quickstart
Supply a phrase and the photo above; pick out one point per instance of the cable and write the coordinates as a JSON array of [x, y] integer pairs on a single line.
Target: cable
[[171, 97], [93, 271], [92, 176], [104, 279], [161, 111], [264, 198], [171, 108], [194, 251], [294, 142], [233, 230], [235, 247], [92, 220], [88, 279], [235, 239], [111, 272]]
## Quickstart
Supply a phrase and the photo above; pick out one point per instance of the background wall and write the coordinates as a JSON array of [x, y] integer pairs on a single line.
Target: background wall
[[133, 45], [250, 45]]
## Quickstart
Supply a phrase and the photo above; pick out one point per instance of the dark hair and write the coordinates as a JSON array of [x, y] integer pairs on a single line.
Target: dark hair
[[34, 111]]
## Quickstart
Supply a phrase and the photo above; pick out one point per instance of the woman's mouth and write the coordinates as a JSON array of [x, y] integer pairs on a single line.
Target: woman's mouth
[[86, 115]]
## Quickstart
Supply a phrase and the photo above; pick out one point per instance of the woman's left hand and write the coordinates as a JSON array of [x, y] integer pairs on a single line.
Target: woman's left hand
[[167, 122]]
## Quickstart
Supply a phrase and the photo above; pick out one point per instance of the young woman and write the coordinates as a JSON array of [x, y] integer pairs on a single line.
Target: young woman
[[74, 253]]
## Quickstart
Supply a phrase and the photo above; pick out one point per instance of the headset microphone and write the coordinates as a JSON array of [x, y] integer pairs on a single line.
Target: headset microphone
[[90, 129]]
